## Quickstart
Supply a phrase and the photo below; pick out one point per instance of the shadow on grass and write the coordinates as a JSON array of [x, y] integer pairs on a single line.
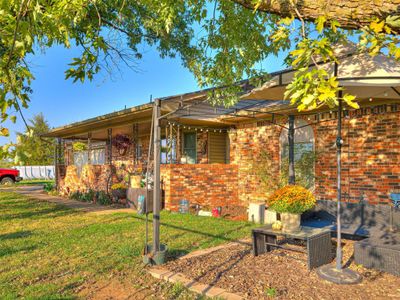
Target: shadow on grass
[[4, 251], [15, 235], [47, 213]]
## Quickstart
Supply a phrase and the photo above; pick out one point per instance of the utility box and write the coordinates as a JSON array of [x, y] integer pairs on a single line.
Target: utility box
[[256, 212], [140, 199]]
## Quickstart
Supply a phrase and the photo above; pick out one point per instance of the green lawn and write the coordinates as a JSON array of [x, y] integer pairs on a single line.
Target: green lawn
[[34, 182], [49, 251]]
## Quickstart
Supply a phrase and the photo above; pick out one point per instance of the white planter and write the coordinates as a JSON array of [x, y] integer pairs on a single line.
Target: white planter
[[270, 216], [256, 212], [290, 222]]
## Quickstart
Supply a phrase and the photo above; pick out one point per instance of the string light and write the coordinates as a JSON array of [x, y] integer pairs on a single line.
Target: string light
[[198, 128]]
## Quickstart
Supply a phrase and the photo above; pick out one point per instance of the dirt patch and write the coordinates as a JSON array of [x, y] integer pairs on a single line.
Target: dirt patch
[[114, 290], [281, 274]]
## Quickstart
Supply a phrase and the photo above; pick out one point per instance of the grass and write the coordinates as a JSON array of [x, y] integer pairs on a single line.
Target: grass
[[48, 251], [34, 182]]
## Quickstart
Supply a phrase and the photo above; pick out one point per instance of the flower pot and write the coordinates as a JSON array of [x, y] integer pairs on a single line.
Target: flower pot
[[135, 181], [270, 216], [290, 222]]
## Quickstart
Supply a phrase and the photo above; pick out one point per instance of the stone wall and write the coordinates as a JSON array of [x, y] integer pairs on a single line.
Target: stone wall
[[208, 185], [93, 177]]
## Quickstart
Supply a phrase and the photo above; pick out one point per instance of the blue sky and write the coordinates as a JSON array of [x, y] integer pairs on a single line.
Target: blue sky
[[62, 101]]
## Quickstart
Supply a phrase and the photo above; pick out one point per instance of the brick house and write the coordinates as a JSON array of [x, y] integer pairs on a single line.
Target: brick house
[[217, 156]]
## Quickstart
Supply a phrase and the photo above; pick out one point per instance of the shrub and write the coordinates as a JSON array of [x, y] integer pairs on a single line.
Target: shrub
[[103, 198], [88, 196], [118, 186], [291, 199], [75, 195], [49, 186]]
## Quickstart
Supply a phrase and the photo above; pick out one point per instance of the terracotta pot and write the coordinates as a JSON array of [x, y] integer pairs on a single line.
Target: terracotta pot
[[290, 222], [135, 181]]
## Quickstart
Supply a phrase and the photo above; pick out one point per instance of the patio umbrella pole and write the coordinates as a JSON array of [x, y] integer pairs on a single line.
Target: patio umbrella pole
[[156, 189], [337, 274], [339, 143]]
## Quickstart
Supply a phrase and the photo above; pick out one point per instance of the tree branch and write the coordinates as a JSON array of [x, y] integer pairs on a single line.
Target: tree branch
[[351, 14]]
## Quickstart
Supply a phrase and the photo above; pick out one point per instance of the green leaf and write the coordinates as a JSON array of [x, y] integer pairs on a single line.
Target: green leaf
[[320, 22]]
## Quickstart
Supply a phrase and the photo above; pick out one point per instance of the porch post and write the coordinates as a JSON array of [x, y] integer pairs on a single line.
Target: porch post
[[292, 177], [156, 190], [89, 148], [56, 162], [109, 152]]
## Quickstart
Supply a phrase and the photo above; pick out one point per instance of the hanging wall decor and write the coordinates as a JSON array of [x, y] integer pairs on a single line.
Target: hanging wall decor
[[122, 143]]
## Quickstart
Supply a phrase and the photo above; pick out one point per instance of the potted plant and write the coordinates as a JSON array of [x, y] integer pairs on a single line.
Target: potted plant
[[118, 190], [291, 201]]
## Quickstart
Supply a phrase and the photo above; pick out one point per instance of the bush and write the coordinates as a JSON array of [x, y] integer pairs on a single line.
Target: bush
[[291, 199], [75, 195], [103, 198], [49, 186], [88, 196]]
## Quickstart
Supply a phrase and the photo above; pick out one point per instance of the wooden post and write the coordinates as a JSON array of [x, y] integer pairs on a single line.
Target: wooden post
[[56, 162], [292, 176], [89, 148], [156, 180], [109, 152]]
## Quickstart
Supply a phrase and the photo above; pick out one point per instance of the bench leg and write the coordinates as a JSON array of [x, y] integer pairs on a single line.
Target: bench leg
[[270, 239], [319, 250], [258, 243]]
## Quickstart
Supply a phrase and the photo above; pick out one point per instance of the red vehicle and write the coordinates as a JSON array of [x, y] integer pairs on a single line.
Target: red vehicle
[[9, 176]]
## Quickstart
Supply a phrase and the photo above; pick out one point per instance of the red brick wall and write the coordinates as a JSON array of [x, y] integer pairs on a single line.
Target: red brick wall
[[370, 158], [246, 145], [208, 185]]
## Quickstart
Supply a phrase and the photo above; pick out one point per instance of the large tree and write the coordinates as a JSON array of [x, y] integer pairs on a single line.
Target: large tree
[[219, 41], [30, 149]]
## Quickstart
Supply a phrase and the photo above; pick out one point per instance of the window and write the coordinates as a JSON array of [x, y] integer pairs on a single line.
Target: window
[[304, 156], [168, 151], [189, 147], [218, 148], [98, 156]]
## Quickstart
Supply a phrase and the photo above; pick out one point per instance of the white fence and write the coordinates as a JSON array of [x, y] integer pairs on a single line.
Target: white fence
[[36, 172]]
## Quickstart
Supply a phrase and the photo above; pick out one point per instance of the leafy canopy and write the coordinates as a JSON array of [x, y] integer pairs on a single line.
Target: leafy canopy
[[30, 149], [221, 42]]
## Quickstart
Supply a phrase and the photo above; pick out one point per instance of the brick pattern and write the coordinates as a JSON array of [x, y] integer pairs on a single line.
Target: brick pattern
[[370, 163], [246, 145], [208, 185], [370, 158]]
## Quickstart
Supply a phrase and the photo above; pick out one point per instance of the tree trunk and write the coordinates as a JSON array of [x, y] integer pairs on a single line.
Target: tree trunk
[[351, 14]]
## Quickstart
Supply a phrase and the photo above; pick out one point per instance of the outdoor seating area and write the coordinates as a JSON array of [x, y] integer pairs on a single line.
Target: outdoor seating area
[[374, 228]]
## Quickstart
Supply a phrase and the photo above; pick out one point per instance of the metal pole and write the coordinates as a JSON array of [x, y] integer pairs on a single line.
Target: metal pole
[[292, 176], [156, 190], [339, 143]]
